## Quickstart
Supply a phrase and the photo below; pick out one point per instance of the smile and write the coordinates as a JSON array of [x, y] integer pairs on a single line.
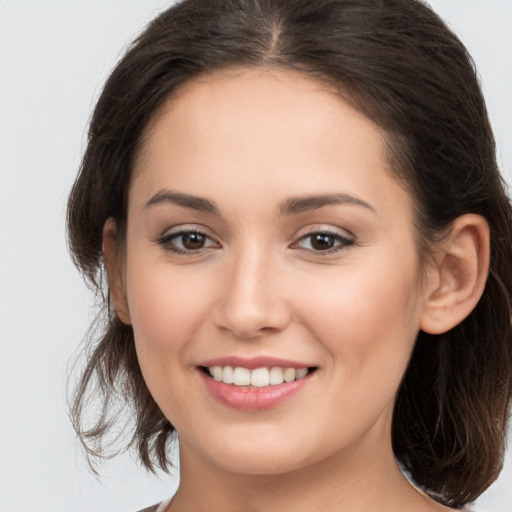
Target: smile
[[254, 384], [258, 377]]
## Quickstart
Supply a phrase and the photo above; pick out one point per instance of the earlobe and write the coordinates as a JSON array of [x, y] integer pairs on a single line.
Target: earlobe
[[457, 277], [114, 266]]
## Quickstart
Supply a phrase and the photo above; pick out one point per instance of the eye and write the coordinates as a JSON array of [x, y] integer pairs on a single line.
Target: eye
[[186, 241], [324, 241]]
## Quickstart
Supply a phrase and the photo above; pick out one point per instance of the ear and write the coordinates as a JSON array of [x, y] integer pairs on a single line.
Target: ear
[[456, 279], [114, 266]]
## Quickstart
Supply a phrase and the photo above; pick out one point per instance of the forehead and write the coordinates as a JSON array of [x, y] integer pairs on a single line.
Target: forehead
[[208, 90], [251, 128], [250, 102]]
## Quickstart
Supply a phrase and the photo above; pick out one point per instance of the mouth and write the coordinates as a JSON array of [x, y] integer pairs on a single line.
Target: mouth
[[257, 388], [258, 377]]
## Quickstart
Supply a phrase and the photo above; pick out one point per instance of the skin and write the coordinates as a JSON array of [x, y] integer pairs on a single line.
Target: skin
[[250, 141]]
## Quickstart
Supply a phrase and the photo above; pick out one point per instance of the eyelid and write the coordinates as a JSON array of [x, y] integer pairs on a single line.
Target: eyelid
[[165, 240], [186, 228], [344, 238], [325, 228]]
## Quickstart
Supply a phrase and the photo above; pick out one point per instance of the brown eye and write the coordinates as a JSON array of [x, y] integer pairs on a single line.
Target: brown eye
[[324, 241], [184, 242], [193, 240]]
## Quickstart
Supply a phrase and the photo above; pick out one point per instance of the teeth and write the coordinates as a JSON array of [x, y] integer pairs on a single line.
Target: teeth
[[289, 374], [259, 377], [227, 375], [217, 373], [301, 373], [276, 376], [241, 376]]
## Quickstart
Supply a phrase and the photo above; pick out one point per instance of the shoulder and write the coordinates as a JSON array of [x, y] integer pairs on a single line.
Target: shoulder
[[154, 508]]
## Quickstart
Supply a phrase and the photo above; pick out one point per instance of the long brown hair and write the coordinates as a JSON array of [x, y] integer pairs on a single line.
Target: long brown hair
[[398, 63]]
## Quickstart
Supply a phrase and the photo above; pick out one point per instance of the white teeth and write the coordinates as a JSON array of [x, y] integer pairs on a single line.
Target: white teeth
[[289, 374], [276, 376], [217, 373], [259, 377], [301, 373], [241, 376], [227, 375]]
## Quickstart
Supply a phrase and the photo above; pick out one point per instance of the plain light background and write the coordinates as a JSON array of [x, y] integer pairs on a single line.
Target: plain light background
[[54, 57]]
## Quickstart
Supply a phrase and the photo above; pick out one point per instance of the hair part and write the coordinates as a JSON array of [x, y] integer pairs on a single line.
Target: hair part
[[396, 62]]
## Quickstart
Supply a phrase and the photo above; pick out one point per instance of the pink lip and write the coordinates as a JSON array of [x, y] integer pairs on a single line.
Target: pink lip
[[254, 362], [252, 399]]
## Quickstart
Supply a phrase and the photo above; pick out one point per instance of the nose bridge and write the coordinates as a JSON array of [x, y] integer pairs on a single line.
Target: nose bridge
[[251, 304]]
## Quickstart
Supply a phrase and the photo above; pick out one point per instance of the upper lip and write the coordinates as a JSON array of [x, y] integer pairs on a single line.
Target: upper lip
[[254, 362]]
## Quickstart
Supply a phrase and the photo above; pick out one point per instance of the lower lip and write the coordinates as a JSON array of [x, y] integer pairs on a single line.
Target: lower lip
[[253, 399]]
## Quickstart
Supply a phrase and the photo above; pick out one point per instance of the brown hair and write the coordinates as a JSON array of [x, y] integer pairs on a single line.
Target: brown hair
[[398, 63]]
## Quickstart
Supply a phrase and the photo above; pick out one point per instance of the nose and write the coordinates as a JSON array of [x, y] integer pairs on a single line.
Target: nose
[[252, 303]]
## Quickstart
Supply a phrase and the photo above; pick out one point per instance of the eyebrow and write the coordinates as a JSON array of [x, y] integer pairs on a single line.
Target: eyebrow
[[297, 205], [292, 206], [186, 200]]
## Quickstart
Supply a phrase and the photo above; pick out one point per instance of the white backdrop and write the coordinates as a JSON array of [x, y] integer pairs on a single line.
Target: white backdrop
[[54, 56]]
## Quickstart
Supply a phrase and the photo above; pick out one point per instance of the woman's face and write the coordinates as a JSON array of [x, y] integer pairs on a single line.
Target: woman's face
[[265, 236]]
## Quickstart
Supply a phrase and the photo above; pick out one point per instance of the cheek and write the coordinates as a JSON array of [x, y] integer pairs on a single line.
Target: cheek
[[368, 327], [167, 308], [366, 319]]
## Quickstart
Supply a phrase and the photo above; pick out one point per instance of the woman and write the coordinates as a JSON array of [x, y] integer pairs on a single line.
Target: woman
[[309, 256]]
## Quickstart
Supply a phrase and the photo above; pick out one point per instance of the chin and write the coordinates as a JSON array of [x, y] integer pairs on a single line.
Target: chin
[[260, 463], [261, 454]]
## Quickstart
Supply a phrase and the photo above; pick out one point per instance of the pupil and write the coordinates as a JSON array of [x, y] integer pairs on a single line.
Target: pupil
[[193, 240], [322, 242]]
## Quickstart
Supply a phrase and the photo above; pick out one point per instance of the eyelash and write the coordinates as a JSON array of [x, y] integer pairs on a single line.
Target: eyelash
[[168, 242], [343, 242]]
